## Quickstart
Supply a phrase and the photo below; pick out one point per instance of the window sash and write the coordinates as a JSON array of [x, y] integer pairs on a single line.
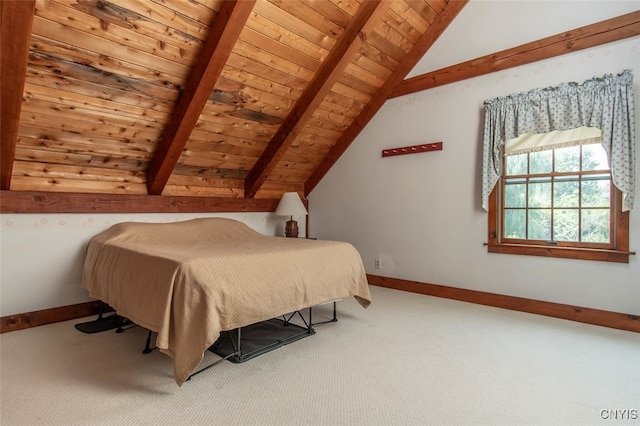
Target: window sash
[[620, 224], [532, 181]]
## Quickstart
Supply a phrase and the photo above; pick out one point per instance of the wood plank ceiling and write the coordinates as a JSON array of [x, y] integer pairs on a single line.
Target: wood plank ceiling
[[204, 98]]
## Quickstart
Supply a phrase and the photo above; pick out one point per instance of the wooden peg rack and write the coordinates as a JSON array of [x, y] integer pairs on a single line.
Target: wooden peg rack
[[425, 147]]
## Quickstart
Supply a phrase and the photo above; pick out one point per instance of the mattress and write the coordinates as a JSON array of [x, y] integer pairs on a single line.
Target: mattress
[[189, 281]]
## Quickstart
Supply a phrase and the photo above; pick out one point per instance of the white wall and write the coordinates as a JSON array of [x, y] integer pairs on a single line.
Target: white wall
[[42, 254], [421, 214]]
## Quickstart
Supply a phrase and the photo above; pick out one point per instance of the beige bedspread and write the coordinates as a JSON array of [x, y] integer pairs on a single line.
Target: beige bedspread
[[190, 280]]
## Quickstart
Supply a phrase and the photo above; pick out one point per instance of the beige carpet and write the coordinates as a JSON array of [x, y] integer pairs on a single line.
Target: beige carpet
[[407, 360]]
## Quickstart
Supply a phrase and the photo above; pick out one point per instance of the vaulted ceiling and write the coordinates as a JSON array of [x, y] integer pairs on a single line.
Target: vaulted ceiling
[[201, 97], [135, 101]]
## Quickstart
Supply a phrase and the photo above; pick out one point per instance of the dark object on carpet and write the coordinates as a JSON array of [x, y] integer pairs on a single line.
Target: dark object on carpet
[[257, 339], [101, 324]]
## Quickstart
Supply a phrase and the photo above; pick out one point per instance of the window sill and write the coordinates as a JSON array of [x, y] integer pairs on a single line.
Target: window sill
[[562, 252]]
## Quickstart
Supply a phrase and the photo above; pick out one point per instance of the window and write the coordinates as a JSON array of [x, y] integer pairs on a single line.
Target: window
[[548, 191], [555, 198]]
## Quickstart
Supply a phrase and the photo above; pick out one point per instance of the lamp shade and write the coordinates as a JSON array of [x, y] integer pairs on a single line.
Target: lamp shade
[[291, 205]]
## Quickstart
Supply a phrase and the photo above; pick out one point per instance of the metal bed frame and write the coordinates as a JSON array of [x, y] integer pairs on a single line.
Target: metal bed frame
[[236, 337], [240, 355]]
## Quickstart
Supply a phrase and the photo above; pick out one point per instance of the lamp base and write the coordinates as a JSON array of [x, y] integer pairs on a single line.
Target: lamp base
[[291, 230]]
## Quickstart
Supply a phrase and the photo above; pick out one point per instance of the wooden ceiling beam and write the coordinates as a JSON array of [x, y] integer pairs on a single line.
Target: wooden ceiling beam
[[16, 21], [606, 31], [330, 71], [404, 67], [68, 202], [227, 26]]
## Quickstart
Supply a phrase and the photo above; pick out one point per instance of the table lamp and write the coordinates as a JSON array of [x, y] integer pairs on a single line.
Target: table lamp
[[291, 205]]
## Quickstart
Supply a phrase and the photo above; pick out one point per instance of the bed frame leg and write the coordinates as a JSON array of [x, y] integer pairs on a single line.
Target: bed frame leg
[[100, 309], [238, 353], [147, 346], [335, 315]]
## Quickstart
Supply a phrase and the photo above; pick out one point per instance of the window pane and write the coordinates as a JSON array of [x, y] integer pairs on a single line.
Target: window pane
[[594, 157], [567, 159], [515, 193], [541, 162], [514, 223], [565, 191], [516, 164], [540, 192], [539, 224], [560, 194], [565, 225], [596, 191], [595, 226]]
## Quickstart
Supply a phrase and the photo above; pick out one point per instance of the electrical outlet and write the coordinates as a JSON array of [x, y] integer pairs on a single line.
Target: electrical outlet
[[378, 263]]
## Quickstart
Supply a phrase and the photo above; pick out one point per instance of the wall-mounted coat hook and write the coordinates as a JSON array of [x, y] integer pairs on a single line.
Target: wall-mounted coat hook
[[425, 147]]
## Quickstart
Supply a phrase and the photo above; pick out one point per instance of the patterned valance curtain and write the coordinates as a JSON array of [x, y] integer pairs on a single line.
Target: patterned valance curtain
[[605, 103]]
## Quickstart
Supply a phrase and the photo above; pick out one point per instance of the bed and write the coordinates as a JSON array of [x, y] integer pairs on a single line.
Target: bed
[[189, 281]]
